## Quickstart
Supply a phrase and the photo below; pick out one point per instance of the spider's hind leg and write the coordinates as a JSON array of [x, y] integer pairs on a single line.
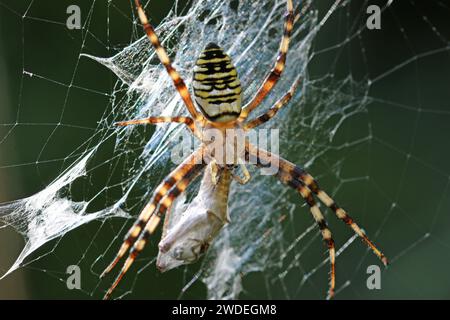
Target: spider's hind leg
[[269, 114], [275, 74], [165, 60]]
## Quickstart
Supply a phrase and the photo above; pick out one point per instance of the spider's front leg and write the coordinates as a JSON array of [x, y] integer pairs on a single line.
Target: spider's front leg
[[177, 181], [307, 180], [286, 178], [304, 183], [305, 193]]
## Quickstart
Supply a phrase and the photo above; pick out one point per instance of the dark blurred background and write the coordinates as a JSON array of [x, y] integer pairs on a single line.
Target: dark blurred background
[[404, 203]]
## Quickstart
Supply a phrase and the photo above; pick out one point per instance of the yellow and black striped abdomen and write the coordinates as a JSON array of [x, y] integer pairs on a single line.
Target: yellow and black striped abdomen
[[217, 88]]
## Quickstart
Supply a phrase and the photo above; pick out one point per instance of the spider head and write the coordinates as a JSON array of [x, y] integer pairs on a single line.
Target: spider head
[[217, 88]]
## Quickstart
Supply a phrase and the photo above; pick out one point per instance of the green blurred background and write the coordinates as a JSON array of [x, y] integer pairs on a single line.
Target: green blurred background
[[405, 202]]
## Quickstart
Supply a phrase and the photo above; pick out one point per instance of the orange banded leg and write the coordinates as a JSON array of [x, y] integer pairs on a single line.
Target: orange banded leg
[[153, 222], [312, 184], [274, 110], [183, 170], [305, 193], [153, 120], [165, 60], [275, 73], [305, 178]]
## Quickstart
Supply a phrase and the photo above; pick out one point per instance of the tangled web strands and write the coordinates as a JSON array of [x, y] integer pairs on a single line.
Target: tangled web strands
[[249, 31]]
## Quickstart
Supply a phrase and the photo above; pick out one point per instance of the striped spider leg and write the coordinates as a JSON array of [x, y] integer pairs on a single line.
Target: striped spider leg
[[269, 114], [165, 194], [165, 60], [153, 120], [275, 74], [217, 93], [189, 122], [297, 178]]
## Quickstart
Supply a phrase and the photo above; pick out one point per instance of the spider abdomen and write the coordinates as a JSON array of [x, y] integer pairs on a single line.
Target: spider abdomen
[[217, 88]]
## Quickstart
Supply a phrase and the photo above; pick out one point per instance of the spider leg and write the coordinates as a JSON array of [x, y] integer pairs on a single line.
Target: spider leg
[[192, 165], [305, 193], [286, 177], [340, 213], [153, 223], [306, 179], [165, 60], [153, 120], [273, 76], [273, 111]]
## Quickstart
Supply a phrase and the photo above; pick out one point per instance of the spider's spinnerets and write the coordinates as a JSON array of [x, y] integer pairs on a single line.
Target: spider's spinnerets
[[217, 88]]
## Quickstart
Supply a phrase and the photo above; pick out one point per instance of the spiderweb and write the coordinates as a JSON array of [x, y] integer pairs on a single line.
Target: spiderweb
[[361, 123]]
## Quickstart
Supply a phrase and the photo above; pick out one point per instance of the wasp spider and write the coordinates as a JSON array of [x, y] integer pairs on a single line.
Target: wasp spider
[[217, 93]]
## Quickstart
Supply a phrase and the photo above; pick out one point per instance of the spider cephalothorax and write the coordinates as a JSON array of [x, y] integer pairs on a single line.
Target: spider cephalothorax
[[216, 85], [218, 95]]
